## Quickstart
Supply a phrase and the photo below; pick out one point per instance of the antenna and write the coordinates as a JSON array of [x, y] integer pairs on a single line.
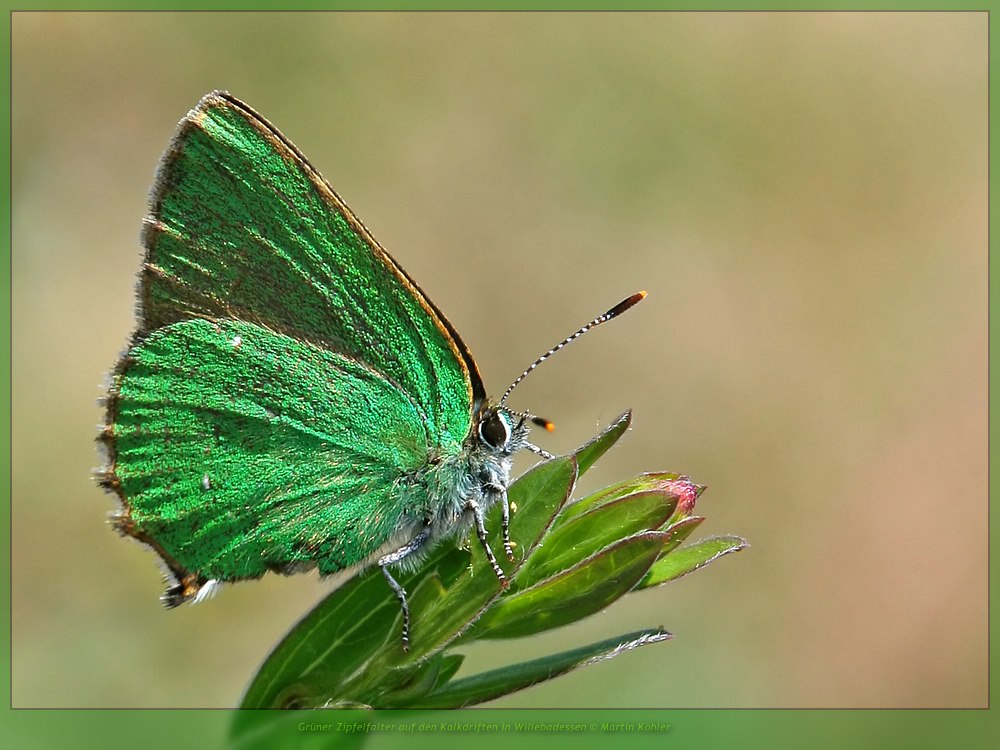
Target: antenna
[[614, 312]]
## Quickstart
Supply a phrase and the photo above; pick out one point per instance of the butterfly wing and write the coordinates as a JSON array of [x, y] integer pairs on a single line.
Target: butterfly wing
[[242, 450], [243, 227], [287, 381]]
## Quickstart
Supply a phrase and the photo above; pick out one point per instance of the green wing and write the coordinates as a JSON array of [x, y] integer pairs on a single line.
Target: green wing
[[242, 450], [243, 227]]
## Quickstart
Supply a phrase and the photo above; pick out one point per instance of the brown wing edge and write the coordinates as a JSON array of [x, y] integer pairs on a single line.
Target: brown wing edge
[[182, 585]]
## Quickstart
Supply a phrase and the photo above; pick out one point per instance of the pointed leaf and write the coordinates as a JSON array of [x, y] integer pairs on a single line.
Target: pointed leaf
[[587, 454], [678, 532], [419, 682], [590, 532], [688, 559], [660, 481], [450, 664], [572, 595], [499, 682], [538, 496]]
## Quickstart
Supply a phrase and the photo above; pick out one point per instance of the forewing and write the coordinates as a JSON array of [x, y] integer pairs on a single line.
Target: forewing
[[237, 450], [242, 226]]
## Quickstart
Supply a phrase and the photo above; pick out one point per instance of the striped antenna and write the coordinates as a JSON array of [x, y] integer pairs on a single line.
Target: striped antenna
[[614, 312]]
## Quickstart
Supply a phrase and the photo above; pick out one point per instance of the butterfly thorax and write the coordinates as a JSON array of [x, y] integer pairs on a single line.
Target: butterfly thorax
[[453, 484]]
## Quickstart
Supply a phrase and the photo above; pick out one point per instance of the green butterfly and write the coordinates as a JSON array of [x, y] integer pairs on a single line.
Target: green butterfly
[[291, 398]]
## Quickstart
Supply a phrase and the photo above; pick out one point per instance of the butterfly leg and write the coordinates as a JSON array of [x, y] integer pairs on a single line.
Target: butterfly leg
[[477, 513], [540, 451], [391, 559], [505, 507]]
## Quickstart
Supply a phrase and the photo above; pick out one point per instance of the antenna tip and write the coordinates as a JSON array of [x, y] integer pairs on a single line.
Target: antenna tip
[[544, 423], [642, 294], [625, 304]]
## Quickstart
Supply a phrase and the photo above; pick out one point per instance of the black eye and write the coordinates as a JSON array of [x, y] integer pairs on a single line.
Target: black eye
[[493, 430]]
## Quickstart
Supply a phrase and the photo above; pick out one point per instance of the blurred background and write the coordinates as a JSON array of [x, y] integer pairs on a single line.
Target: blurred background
[[803, 195]]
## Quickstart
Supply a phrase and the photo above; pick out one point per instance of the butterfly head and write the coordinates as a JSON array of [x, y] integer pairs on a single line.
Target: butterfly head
[[505, 432]]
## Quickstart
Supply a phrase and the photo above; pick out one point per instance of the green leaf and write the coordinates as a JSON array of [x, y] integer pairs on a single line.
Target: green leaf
[[587, 454], [678, 532], [450, 664], [538, 496], [586, 588], [505, 680], [422, 678], [688, 559], [660, 481], [590, 532]]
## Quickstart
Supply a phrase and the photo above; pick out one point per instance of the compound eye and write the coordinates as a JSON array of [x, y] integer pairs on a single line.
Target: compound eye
[[494, 430]]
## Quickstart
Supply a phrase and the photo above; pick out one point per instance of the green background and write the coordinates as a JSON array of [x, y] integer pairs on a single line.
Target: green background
[[804, 196]]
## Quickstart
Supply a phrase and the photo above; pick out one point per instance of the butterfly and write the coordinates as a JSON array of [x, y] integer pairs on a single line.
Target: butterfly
[[291, 399]]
